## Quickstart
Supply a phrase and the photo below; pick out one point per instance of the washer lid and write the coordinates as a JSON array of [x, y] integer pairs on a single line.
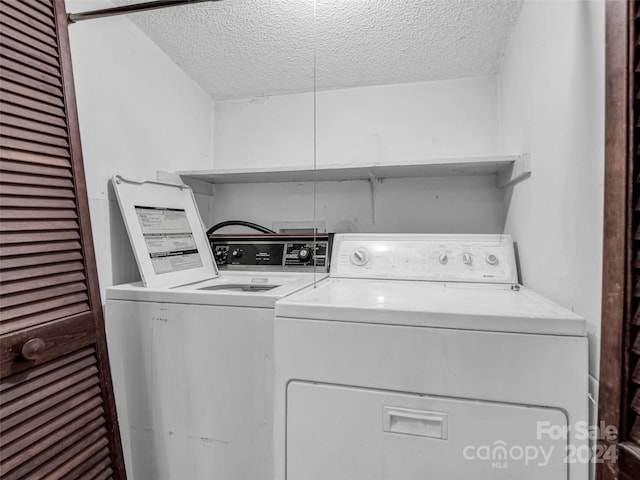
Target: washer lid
[[167, 235]]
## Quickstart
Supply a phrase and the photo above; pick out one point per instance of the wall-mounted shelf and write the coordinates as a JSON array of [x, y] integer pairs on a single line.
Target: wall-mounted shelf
[[508, 169]]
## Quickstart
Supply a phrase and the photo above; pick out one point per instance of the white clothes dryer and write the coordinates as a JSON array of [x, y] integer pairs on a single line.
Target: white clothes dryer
[[191, 349], [422, 357]]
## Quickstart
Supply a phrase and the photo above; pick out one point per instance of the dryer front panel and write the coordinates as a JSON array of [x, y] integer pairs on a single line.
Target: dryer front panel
[[354, 433]]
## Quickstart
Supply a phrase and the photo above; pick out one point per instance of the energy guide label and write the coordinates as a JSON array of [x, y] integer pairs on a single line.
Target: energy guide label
[[169, 239]]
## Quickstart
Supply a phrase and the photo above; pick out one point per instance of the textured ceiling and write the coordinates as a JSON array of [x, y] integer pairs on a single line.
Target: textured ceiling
[[249, 48]]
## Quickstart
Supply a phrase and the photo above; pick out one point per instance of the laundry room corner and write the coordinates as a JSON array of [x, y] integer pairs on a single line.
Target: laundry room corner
[[374, 125], [138, 113], [552, 105]]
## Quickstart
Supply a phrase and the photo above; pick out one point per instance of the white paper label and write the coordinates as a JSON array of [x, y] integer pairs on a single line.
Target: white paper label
[[169, 239]]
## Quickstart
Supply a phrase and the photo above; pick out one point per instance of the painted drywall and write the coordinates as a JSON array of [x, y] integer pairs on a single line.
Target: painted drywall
[[356, 126], [552, 98], [433, 205], [138, 113], [390, 123]]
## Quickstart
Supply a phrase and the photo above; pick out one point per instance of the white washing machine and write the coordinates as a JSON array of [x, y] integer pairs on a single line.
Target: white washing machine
[[422, 357], [191, 349]]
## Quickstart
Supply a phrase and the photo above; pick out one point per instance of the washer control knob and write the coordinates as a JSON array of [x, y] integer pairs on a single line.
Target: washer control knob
[[305, 254], [236, 253], [443, 258], [467, 258], [492, 259], [360, 256]]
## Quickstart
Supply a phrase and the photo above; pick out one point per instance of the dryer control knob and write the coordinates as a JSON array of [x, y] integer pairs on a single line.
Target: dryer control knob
[[236, 253], [360, 257], [492, 259], [443, 259], [467, 258]]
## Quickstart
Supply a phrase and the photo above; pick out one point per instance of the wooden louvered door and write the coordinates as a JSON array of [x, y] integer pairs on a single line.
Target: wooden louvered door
[[618, 453], [57, 413]]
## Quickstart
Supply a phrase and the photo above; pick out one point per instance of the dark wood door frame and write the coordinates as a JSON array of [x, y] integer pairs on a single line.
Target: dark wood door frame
[[618, 248]]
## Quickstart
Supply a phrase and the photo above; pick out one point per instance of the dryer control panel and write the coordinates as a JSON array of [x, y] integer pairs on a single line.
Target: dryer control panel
[[273, 252], [428, 257]]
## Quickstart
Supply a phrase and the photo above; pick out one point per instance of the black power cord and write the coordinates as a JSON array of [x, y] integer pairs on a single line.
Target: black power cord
[[241, 223]]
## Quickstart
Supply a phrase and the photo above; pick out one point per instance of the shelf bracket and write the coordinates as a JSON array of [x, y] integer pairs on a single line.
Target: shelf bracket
[[514, 173], [373, 186]]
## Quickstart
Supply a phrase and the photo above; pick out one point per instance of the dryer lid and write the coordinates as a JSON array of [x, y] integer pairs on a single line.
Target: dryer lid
[[167, 235]]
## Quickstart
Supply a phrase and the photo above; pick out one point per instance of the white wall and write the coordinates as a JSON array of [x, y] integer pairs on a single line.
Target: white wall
[[138, 113], [415, 205], [390, 123], [383, 124], [552, 97]]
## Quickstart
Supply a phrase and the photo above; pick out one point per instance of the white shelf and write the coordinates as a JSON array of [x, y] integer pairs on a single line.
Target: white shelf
[[504, 166]]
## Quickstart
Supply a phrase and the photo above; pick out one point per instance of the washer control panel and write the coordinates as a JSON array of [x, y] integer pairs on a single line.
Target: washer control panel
[[430, 257], [271, 252]]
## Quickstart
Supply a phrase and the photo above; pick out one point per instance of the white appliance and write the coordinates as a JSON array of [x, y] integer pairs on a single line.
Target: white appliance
[[421, 357], [191, 349]]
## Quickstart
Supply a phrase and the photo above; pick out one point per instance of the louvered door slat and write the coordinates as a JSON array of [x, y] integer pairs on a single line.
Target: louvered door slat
[[29, 191], [36, 179], [30, 273], [42, 282], [43, 6], [101, 465], [8, 153], [49, 420], [8, 263], [31, 249], [105, 475], [635, 403], [39, 120], [46, 431], [62, 457], [635, 376], [33, 148], [58, 392], [23, 96], [26, 226], [28, 298], [31, 16], [14, 313], [33, 136], [35, 202], [67, 308], [77, 455], [31, 77], [14, 45], [33, 213], [635, 431], [89, 468], [28, 61], [41, 170], [15, 32], [32, 393], [17, 380], [17, 238], [57, 410], [23, 26], [50, 433], [34, 125]]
